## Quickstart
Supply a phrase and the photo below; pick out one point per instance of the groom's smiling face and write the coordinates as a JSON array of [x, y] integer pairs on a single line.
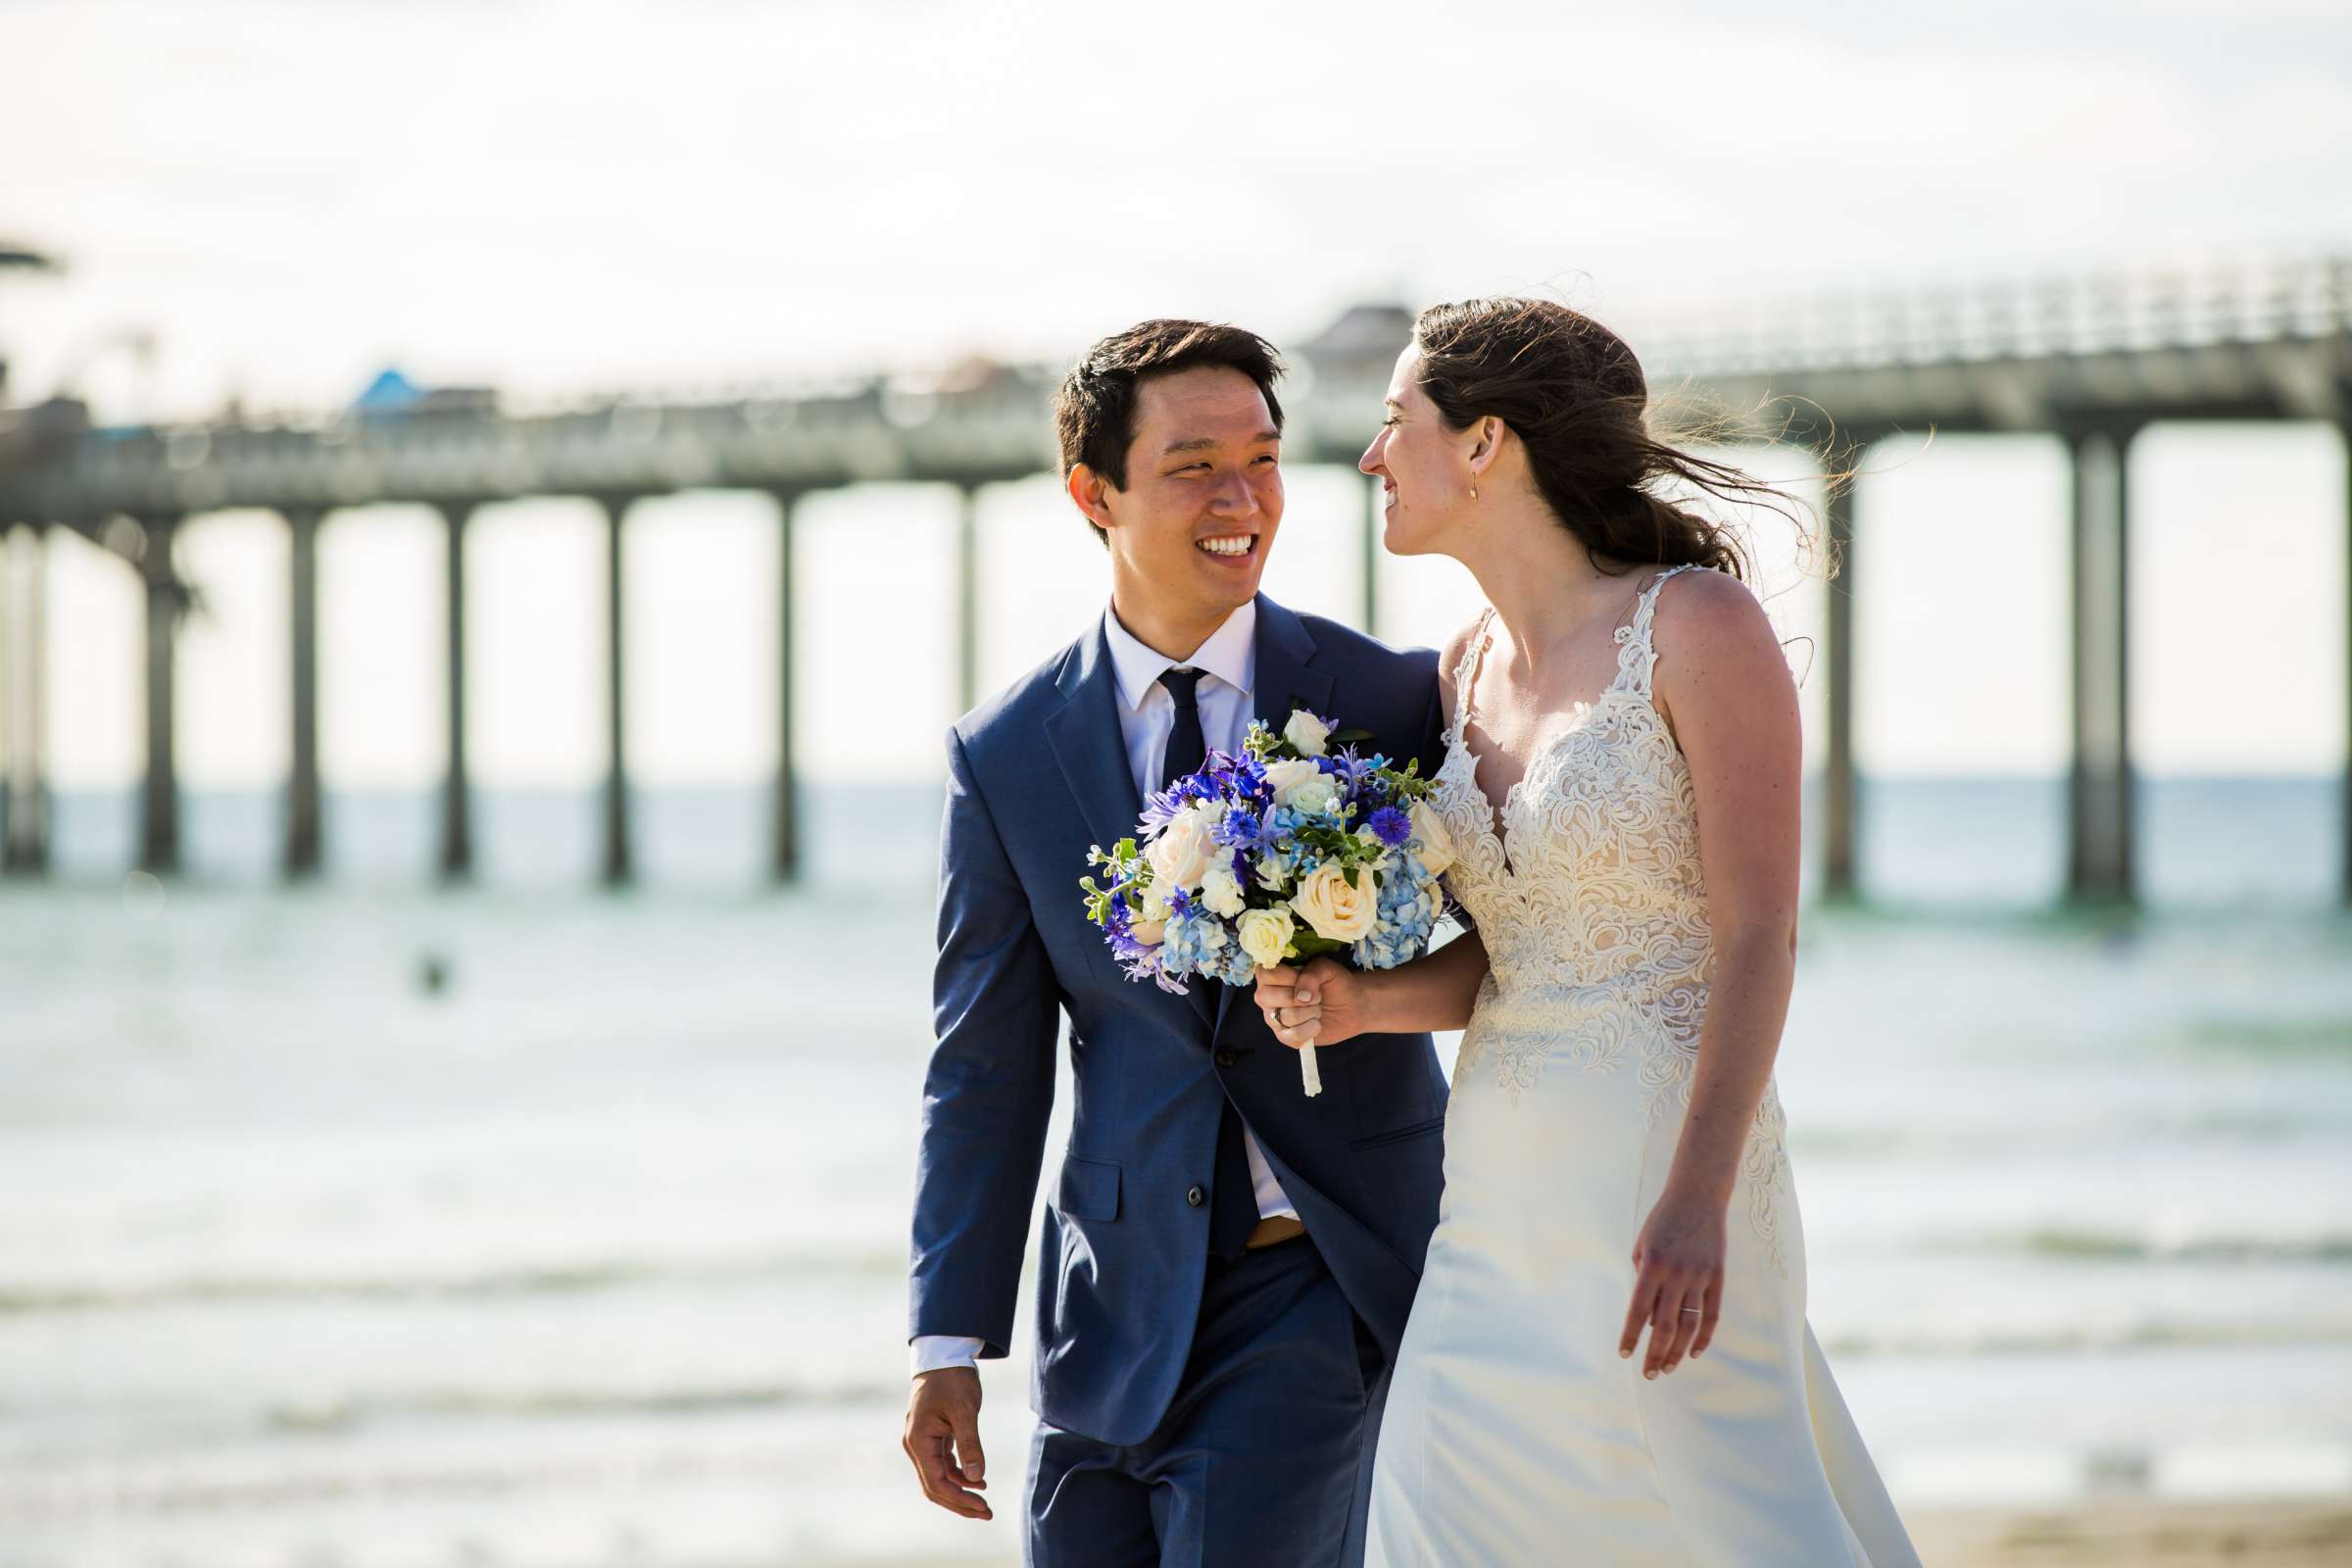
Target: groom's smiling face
[[1189, 531]]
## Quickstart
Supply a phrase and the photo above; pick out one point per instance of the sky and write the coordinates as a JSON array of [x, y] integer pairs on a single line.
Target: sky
[[285, 198]]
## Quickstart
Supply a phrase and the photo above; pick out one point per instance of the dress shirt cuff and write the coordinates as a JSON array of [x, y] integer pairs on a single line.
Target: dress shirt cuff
[[935, 1351]]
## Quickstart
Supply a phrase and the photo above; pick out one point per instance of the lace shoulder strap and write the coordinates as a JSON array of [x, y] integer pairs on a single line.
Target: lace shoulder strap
[[1637, 658], [1466, 674]]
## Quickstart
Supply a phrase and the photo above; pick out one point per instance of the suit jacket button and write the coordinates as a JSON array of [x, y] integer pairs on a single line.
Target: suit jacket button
[[1228, 1056], [1194, 1197]]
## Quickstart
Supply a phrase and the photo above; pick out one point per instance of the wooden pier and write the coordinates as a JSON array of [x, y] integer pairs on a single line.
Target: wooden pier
[[2092, 361]]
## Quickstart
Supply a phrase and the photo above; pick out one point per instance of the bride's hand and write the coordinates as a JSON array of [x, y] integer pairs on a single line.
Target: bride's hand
[[1677, 1279], [1320, 1003]]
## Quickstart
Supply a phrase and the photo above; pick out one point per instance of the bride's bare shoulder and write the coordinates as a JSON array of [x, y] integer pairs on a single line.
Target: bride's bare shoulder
[[1712, 629], [1708, 604]]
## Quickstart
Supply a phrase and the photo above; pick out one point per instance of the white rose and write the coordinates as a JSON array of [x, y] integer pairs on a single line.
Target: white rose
[[1266, 936], [1288, 776], [1183, 853], [1221, 890], [1337, 911], [1150, 926], [1316, 795], [1307, 732], [1436, 844]]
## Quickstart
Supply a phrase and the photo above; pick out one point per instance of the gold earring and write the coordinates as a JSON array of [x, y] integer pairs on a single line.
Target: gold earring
[[1474, 492]]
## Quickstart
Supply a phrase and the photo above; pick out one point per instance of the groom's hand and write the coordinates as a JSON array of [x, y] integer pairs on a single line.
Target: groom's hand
[[1321, 1002], [942, 1415]]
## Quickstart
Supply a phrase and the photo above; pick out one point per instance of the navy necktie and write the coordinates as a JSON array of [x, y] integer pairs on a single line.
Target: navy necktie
[[1187, 749], [1233, 1211]]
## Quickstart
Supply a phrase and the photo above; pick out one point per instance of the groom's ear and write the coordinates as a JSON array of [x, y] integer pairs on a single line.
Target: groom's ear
[[1087, 488]]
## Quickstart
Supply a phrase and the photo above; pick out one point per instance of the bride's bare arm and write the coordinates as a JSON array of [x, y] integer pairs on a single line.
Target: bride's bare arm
[[1725, 689], [1324, 1002], [1433, 992]]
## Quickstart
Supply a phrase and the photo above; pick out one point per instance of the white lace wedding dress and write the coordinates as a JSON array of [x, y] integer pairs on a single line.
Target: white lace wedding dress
[[1514, 1434]]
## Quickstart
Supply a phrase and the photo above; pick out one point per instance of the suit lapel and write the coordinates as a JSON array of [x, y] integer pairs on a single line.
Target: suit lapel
[[1088, 743], [1284, 679]]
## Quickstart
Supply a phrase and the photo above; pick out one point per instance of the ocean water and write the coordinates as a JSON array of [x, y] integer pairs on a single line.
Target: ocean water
[[528, 1224]]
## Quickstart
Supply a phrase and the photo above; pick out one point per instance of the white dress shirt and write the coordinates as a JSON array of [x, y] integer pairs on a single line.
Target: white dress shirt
[[1228, 661]]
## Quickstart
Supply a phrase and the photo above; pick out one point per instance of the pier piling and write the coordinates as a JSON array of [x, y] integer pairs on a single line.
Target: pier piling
[[2099, 830], [618, 868], [786, 846], [1840, 784], [457, 828], [158, 800], [303, 796]]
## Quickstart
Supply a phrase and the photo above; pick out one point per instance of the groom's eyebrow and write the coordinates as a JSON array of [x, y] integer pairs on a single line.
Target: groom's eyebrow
[[1209, 443]]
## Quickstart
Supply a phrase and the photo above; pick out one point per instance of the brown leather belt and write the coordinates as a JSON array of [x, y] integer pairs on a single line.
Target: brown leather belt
[[1273, 1229]]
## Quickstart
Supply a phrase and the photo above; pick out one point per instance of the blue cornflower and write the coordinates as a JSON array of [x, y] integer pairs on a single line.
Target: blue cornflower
[[1390, 825]]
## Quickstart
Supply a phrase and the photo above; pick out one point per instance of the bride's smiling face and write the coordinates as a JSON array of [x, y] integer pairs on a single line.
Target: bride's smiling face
[[1425, 469]]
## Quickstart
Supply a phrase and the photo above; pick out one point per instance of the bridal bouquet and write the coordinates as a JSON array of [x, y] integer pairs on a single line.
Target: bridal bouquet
[[1286, 852]]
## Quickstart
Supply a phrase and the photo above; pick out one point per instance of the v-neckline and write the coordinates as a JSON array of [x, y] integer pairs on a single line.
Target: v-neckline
[[1496, 825]]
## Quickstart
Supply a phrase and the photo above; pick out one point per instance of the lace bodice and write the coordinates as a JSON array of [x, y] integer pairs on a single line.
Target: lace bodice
[[1592, 903], [1603, 886]]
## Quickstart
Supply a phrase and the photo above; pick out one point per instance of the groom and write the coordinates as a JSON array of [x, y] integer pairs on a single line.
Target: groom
[[1225, 1265]]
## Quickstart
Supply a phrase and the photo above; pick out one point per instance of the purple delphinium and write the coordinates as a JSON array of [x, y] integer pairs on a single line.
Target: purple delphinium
[[1358, 776], [1216, 781], [1246, 830]]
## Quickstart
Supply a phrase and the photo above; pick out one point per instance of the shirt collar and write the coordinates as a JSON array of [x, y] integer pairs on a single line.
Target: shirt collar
[[1230, 654]]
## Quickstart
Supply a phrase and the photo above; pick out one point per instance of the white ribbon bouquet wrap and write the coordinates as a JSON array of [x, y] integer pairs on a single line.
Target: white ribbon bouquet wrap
[[1289, 850]]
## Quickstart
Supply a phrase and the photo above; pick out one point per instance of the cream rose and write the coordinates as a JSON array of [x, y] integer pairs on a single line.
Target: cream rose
[[1307, 732], [1337, 911], [1436, 844], [1266, 936], [1184, 852]]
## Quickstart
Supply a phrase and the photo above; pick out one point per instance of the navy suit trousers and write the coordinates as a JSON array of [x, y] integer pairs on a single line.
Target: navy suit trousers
[[1264, 1456]]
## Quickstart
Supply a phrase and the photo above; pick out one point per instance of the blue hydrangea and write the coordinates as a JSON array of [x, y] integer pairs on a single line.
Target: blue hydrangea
[[1407, 914], [1235, 967], [1197, 942]]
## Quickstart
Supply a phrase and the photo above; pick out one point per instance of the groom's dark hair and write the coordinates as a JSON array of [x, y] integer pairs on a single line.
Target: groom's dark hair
[[1094, 411]]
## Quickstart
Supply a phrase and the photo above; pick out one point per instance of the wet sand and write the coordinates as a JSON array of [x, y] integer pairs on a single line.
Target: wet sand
[[2295, 1533]]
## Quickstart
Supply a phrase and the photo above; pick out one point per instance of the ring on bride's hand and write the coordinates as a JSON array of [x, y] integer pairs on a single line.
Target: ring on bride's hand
[[1278, 1023], [1694, 1311]]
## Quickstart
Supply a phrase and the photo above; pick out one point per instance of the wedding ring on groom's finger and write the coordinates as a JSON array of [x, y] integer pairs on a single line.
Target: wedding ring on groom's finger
[[1278, 1023]]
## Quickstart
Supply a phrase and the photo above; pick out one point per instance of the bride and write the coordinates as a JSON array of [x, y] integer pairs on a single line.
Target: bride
[[1608, 1359]]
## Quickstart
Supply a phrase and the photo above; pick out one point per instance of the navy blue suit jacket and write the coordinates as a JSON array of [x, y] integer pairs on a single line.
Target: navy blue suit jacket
[[1035, 777]]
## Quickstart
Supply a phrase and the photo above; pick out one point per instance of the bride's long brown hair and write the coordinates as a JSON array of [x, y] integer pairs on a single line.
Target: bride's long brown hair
[[1574, 394]]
